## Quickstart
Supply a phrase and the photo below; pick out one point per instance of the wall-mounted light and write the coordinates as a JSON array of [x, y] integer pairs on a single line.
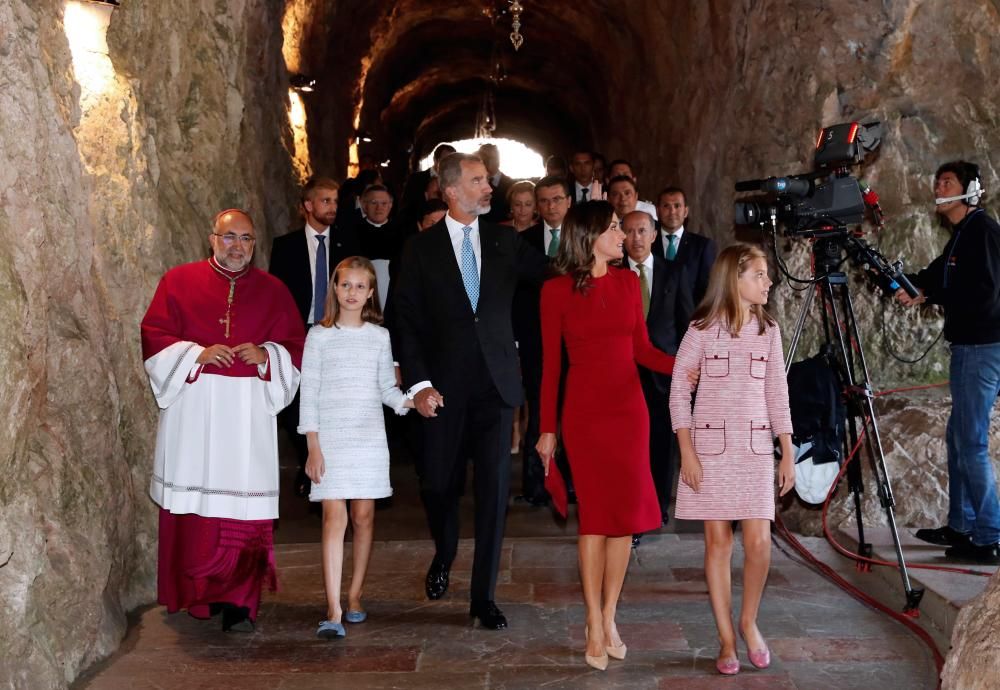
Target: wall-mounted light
[[86, 26], [301, 82]]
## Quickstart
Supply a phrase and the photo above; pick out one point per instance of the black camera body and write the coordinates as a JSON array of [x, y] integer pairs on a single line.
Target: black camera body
[[827, 210], [833, 204], [804, 207]]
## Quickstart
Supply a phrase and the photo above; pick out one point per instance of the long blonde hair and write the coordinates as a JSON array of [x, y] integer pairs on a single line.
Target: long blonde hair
[[371, 312], [722, 299]]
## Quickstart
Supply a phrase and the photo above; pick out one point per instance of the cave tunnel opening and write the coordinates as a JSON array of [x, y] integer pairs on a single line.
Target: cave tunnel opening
[[392, 80]]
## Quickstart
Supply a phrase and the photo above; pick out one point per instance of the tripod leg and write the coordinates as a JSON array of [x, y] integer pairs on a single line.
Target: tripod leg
[[799, 324], [863, 392]]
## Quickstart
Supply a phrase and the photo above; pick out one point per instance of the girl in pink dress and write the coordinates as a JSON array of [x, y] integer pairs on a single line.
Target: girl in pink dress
[[727, 442]]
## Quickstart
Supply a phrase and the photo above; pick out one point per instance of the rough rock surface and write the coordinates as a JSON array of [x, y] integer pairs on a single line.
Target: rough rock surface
[[107, 180], [103, 189], [912, 427], [695, 94], [973, 663]]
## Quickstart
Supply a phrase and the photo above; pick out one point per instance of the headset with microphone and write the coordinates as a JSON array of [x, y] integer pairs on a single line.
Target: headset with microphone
[[973, 191]]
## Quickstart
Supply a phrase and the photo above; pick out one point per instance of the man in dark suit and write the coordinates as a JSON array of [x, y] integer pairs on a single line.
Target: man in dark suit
[[500, 182], [666, 300], [696, 253], [295, 257], [452, 315], [552, 200], [381, 239], [581, 167], [415, 191]]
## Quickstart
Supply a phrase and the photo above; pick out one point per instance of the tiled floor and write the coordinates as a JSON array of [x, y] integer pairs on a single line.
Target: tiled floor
[[820, 638]]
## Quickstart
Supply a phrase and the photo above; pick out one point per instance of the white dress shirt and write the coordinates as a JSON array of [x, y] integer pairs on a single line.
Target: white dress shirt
[[313, 245], [666, 239], [577, 189], [456, 234], [648, 263]]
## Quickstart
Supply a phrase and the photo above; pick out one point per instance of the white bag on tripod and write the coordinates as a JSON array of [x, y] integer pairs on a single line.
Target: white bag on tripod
[[812, 481]]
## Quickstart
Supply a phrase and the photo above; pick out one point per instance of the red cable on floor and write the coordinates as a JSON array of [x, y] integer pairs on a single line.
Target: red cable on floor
[[828, 572], [869, 601], [844, 551]]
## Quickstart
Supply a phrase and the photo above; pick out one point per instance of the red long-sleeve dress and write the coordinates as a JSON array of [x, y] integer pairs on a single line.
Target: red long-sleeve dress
[[604, 421]]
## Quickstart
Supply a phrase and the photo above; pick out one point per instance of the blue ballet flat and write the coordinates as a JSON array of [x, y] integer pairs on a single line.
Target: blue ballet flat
[[328, 630], [356, 616]]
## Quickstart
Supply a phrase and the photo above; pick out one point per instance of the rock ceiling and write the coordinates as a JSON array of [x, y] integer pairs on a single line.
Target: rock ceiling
[[421, 69]]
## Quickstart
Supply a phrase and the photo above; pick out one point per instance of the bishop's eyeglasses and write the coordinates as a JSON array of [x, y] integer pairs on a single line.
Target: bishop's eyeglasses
[[230, 239]]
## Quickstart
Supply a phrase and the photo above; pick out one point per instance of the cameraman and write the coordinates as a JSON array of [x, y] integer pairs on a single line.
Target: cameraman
[[965, 280]]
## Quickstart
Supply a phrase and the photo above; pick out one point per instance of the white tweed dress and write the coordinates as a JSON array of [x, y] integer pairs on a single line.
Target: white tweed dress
[[347, 375]]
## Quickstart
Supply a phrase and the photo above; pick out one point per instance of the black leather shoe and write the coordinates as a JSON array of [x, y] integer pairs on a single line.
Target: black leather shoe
[[489, 615], [983, 555], [943, 536], [533, 501], [437, 581], [236, 619]]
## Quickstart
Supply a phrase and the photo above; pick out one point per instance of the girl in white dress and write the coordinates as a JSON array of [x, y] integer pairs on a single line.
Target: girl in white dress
[[347, 375]]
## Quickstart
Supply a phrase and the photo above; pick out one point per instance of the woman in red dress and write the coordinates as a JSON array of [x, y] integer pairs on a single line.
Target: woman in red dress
[[595, 310]]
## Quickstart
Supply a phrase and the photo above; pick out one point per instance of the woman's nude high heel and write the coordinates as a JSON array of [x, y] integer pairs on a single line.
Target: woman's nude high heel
[[598, 662]]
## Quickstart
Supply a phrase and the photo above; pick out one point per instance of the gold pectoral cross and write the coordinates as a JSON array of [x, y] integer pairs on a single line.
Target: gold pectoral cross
[[229, 307]]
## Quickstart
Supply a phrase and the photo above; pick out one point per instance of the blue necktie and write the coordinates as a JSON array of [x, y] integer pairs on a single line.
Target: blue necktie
[[322, 278], [470, 275]]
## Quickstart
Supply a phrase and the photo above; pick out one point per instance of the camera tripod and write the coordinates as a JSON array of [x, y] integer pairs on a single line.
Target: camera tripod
[[840, 331]]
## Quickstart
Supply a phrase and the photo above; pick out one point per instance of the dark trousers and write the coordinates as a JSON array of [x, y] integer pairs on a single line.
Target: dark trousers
[[476, 424], [663, 449], [532, 471]]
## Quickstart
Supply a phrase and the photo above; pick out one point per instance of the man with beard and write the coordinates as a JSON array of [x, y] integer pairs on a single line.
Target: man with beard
[[222, 346], [452, 317], [303, 260]]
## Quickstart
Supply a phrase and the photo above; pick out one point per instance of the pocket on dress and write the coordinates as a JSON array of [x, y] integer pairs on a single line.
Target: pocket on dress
[[717, 364], [758, 364], [761, 438], [710, 437]]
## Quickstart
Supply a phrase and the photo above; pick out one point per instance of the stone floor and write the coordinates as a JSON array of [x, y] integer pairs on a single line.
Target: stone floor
[[820, 638]]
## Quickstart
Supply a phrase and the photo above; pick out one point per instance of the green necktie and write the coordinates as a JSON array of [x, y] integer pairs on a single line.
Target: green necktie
[[554, 243], [672, 248], [644, 285]]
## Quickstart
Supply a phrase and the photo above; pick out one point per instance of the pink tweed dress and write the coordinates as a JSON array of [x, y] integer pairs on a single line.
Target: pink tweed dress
[[740, 407]]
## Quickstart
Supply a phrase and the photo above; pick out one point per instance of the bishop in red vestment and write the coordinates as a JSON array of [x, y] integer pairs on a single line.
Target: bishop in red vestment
[[222, 344]]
